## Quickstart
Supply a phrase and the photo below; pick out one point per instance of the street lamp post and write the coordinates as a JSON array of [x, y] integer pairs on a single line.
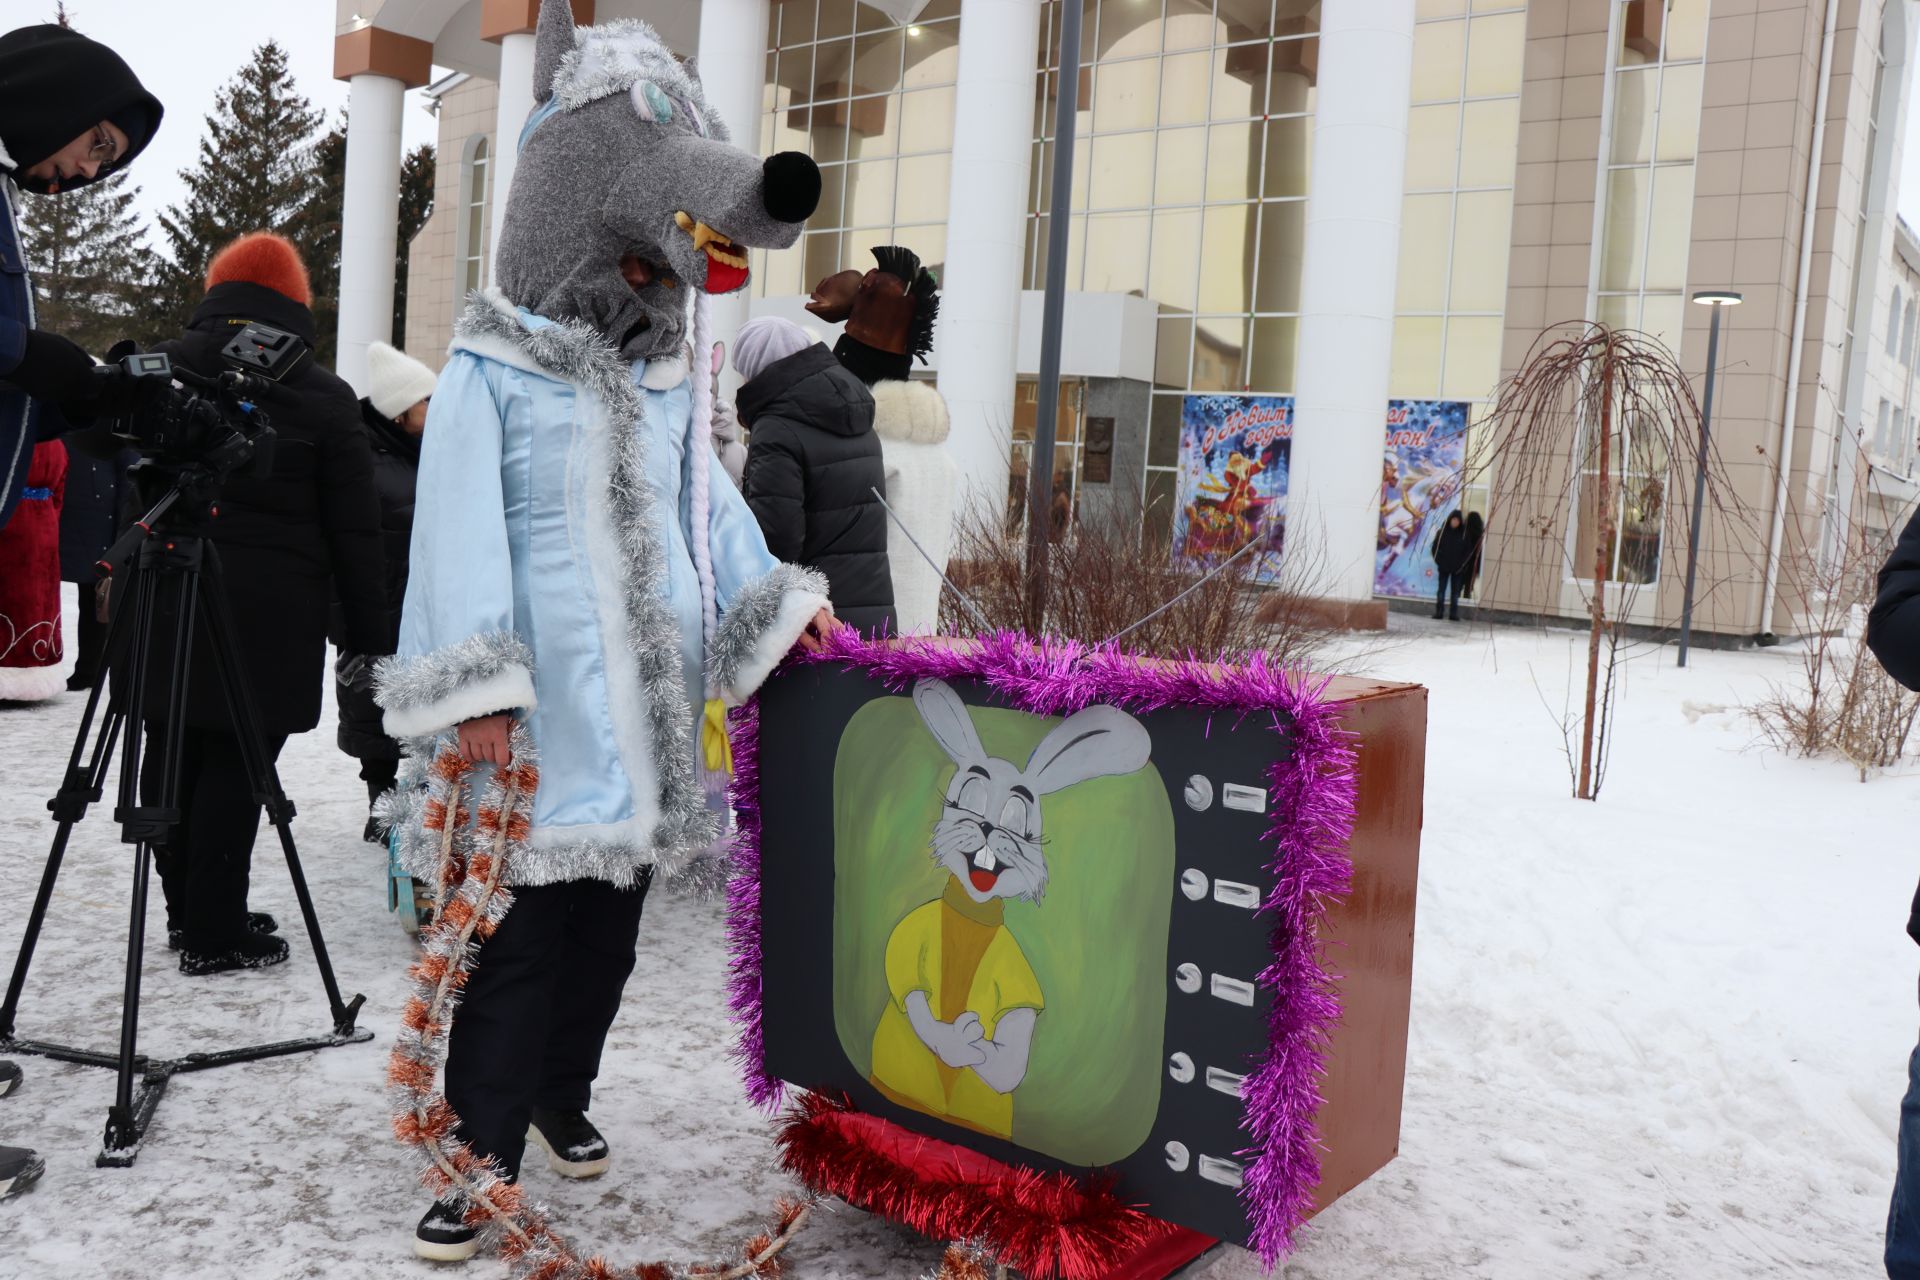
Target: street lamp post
[[1719, 300], [1052, 317]]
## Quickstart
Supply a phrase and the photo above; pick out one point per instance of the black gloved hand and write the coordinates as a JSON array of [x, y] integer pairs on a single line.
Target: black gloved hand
[[53, 368], [56, 369], [112, 392]]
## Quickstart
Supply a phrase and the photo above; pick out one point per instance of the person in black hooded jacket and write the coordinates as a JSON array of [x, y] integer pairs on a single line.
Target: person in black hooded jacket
[[71, 111], [1893, 633], [814, 465], [394, 416], [287, 541], [1453, 554]]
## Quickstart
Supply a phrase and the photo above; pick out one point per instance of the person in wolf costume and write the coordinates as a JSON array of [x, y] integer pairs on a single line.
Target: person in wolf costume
[[581, 564]]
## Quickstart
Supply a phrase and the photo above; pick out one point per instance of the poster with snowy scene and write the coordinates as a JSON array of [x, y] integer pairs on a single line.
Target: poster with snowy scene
[[1232, 485], [1419, 486]]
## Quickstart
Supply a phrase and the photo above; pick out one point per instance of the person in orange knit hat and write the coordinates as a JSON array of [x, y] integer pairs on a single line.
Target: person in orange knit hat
[[289, 541]]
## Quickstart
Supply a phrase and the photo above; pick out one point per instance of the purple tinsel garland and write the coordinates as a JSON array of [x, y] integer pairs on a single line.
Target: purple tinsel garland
[[1313, 813]]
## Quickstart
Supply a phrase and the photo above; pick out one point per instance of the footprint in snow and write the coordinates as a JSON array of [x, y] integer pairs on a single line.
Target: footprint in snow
[[1521, 1155]]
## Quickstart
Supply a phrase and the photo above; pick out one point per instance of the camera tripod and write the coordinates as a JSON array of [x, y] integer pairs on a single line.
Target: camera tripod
[[170, 561]]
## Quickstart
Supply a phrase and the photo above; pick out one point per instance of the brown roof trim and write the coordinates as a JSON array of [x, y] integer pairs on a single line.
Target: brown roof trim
[[373, 51], [502, 18]]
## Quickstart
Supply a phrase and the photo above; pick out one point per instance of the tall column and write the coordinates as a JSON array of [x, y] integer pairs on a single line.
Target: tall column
[[986, 235], [1347, 289], [516, 104], [369, 221], [733, 68], [379, 67]]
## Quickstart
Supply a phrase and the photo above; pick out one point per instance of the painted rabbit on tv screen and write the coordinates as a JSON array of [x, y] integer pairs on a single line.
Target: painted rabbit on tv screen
[[955, 1036]]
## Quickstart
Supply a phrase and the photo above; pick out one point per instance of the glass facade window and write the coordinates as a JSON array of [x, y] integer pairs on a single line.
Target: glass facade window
[[1192, 151], [1647, 174], [1456, 219], [871, 100], [1657, 65], [474, 198], [1637, 474], [1191, 161]]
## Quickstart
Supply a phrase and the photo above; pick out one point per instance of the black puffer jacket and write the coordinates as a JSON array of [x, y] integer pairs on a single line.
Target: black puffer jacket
[[1893, 632], [813, 463], [91, 516], [396, 468], [1452, 549], [287, 538]]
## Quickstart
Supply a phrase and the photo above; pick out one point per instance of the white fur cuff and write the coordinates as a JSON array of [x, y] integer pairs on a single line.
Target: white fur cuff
[[509, 689], [797, 609]]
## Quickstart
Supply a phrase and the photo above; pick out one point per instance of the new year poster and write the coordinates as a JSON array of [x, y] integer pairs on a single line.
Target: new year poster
[[1420, 484], [1232, 487]]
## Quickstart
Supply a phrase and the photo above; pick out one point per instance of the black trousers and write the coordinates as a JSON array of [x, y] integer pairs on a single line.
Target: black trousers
[[1451, 585], [205, 866], [535, 1014], [92, 644], [379, 775]]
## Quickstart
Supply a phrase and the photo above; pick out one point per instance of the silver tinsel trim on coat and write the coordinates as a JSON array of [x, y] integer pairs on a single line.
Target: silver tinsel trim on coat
[[401, 684], [751, 615], [575, 352]]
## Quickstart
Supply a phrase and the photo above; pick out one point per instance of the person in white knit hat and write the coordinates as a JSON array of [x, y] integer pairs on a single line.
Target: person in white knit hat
[[398, 390], [394, 415]]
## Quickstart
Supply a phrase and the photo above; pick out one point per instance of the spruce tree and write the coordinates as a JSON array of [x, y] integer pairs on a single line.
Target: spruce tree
[[90, 266], [317, 232], [255, 173], [416, 206]]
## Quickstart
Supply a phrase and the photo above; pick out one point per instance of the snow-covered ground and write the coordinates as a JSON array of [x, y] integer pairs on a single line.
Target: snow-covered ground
[[1663, 1035]]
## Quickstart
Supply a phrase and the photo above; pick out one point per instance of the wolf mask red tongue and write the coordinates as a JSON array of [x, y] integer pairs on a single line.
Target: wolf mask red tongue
[[724, 277]]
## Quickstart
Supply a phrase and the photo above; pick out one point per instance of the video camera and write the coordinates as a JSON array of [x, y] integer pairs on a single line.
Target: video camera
[[194, 432], [213, 426]]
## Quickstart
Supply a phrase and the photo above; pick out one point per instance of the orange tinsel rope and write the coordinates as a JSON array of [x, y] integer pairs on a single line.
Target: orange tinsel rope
[[470, 904]]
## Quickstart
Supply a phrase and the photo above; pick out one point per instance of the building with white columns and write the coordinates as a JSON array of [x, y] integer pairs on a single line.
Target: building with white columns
[[1341, 201]]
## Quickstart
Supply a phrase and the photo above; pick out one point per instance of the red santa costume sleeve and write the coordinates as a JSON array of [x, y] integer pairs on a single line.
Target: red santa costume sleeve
[[30, 641]]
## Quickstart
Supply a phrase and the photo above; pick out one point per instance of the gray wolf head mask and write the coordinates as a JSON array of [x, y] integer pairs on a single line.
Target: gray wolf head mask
[[623, 160]]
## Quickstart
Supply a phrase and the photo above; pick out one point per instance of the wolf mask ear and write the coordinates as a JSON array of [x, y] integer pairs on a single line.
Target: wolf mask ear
[[552, 42]]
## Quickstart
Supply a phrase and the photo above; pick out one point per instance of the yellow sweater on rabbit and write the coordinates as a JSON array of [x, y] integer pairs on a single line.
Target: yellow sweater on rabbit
[[962, 955]]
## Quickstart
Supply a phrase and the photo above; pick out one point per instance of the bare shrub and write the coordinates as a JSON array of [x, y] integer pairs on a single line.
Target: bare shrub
[[1105, 573], [1842, 702]]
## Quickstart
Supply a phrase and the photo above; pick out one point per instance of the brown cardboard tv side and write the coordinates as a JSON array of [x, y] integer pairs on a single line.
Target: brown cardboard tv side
[[1368, 937]]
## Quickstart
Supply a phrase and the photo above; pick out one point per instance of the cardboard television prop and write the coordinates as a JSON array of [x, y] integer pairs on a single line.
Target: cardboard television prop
[[1085, 957]]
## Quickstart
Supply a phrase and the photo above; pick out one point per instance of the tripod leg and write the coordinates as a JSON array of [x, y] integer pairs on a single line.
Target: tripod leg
[[123, 1125], [266, 780], [78, 789]]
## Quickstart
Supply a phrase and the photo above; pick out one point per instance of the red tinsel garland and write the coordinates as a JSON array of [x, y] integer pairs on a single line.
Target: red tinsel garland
[[1045, 1224]]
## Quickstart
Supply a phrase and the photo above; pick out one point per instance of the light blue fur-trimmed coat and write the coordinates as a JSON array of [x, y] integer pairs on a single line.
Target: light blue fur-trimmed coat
[[551, 575]]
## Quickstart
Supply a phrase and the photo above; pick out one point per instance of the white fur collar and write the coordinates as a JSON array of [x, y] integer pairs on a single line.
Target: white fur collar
[[6, 161], [911, 412], [566, 349], [665, 375]]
